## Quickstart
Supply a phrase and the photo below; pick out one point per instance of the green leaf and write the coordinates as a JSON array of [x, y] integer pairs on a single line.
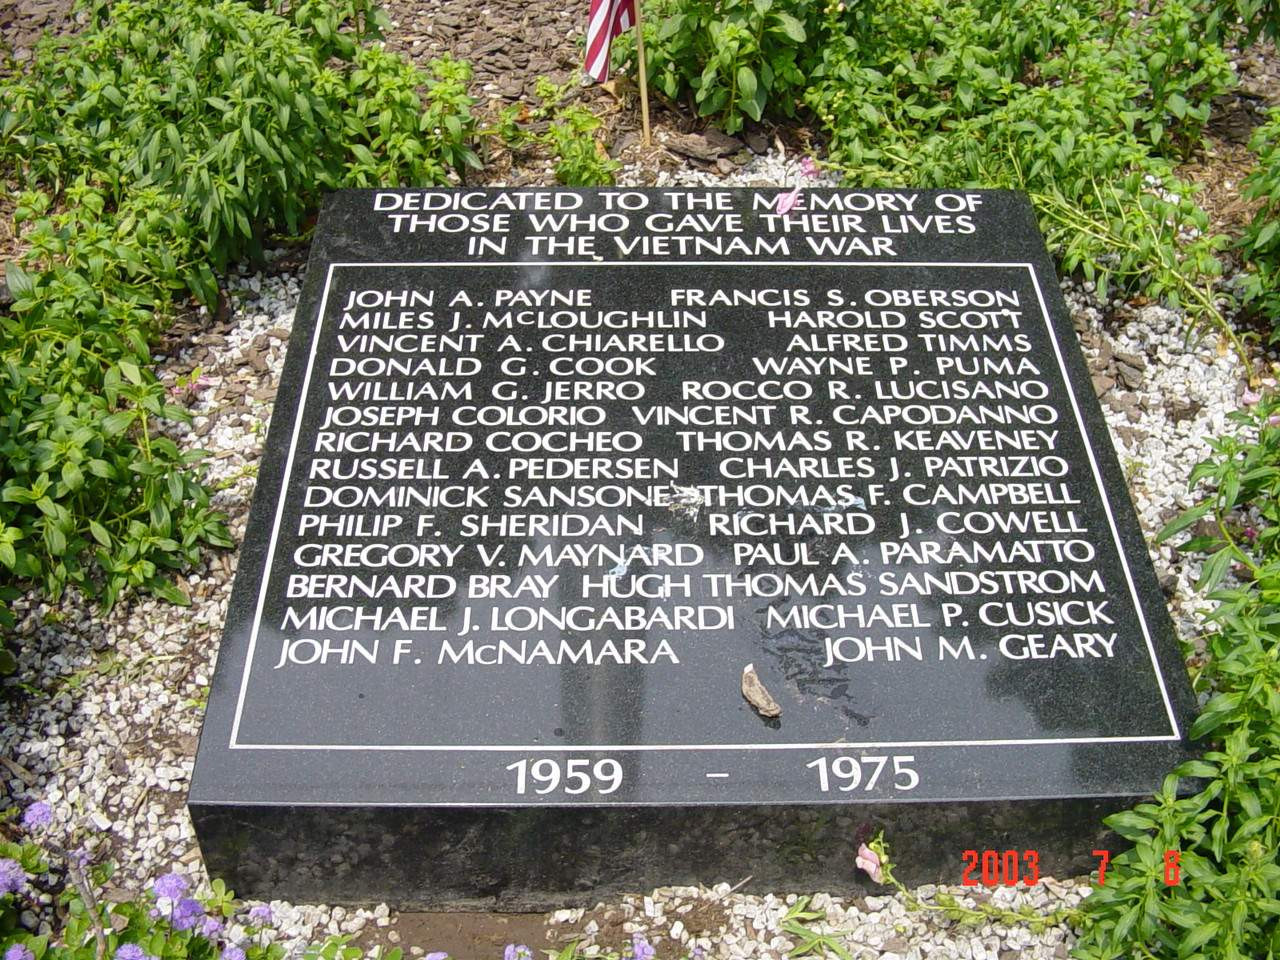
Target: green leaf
[[1129, 824], [117, 423], [72, 476], [1215, 713], [170, 592], [1267, 232], [21, 284], [1196, 768], [99, 533], [1182, 521], [790, 26], [1215, 568]]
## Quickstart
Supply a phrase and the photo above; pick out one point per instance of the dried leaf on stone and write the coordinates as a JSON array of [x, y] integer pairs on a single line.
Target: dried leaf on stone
[[756, 694]]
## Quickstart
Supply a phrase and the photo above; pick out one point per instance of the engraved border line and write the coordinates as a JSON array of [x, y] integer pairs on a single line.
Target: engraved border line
[[297, 428], [1106, 502], [284, 490]]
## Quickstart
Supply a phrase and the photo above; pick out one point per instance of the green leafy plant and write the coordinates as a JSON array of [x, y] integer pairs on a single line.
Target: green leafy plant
[[564, 130], [164, 923], [581, 160], [91, 493], [1087, 105], [167, 140], [1178, 71], [333, 28], [1260, 244], [1221, 837], [392, 139], [1247, 20], [1071, 102], [736, 57], [236, 111], [809, 942]]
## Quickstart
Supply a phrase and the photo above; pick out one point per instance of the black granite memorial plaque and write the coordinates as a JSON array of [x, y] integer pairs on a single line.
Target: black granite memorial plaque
[[549, 470]]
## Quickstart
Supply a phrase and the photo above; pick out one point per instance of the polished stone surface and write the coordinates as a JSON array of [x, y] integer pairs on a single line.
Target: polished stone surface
[[898, 501]]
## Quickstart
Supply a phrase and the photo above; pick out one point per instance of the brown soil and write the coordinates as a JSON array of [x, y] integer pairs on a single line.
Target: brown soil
[[464, 936], [1217, 173]]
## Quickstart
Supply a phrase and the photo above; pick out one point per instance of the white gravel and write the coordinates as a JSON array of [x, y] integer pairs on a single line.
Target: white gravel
[[106, 731]]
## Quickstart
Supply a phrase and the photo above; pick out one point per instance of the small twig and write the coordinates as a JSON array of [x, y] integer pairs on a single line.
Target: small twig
[[19, 771], [734, 889], [81, 883], [90, 901]]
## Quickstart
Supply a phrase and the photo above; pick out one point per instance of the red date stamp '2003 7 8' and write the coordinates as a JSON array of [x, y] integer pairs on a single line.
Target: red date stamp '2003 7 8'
[[994, 868]]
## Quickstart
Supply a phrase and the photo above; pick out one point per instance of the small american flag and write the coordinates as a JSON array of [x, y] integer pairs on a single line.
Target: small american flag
[[608, 19]]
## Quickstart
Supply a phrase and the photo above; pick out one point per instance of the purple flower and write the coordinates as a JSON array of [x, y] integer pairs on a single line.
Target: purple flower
[[187, 913], [12, 877], [784, 203], [1250, 397], [130, 951], [212, 927], [19, 951], [39, 814], [641, 948], [261, 915], [233, 953], [437, 955], [171, 885], [517, 951]]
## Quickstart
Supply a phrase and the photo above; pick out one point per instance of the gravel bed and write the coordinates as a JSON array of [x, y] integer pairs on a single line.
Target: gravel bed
[[106, 728]]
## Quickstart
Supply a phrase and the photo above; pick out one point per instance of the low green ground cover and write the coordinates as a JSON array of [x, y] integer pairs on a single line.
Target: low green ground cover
[[1082, 103], [161, 144], [1226, 834]]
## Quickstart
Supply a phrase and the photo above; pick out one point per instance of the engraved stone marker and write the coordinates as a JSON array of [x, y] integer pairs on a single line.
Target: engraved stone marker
[[614, 538]]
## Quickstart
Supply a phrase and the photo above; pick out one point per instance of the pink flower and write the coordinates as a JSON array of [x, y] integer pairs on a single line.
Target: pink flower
[[786, 201], [1250, 397], [1274, 420], [809, 167], [869, 861]]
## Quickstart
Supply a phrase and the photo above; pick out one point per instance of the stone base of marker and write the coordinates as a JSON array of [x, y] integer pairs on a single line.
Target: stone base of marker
[[540, 859]]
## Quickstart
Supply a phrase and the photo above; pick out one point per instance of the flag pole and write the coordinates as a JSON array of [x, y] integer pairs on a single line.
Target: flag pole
[[644, 78]]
